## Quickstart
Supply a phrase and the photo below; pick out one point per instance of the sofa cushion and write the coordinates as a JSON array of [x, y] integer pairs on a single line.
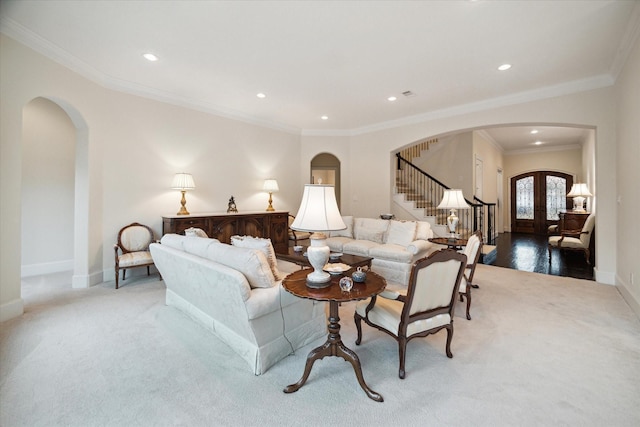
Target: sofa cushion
[[193, 245], [391, 252], [336, 244], [347, 232], [263, 245], [401, 232], [370, 229], [359, 247], [250, 262], [423, 230]]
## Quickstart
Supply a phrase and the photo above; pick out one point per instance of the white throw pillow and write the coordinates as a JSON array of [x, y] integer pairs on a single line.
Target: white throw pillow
[[252, 263], [347, 232], [263, 245], [401, 232], [423, 231], [370, 229]]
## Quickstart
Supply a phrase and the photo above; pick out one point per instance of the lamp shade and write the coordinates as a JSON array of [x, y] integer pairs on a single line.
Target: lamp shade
[[270, 186], [183, 181], [318, 210], [453, 199], [579, 190]]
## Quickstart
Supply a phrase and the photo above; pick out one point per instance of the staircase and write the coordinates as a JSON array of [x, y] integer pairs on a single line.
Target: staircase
[[419, 194]]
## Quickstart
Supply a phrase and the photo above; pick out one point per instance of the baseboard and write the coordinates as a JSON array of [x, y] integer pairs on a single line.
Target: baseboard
[[628, 296], [46, 268], [86, 280], [606, 277], [11, 309]]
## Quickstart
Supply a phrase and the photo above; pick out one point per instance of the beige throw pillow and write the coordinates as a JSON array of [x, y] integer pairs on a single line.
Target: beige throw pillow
[[252, 263], [347, 232], [401, 232], [265, 246]]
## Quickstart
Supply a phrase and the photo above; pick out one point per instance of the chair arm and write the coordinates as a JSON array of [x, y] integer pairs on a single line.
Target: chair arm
[[393, 295]]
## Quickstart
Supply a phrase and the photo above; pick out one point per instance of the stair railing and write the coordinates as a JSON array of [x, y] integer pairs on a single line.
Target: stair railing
[[426, 192]]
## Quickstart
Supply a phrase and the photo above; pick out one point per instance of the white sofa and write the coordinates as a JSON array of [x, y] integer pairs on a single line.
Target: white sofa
[[236, 293], [393, 245]]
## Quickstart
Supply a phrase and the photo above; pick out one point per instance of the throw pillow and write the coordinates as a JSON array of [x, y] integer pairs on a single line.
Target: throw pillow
[[401, 232], [252, 263], [263, 245], [370, 229], [347, 232], [423, 231]]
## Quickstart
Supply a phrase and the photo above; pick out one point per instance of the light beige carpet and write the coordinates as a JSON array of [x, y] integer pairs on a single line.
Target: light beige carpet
[[540, 350]]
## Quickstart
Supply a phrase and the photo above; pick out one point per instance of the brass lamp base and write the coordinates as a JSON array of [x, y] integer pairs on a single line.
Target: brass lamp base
[[270, 207], [183, 210]]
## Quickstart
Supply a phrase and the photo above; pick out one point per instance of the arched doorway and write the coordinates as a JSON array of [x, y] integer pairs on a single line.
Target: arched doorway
[[79, 200], [325, 168]]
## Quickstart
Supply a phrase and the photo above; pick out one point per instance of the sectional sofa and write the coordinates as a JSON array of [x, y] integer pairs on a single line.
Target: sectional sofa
[[393, 245]]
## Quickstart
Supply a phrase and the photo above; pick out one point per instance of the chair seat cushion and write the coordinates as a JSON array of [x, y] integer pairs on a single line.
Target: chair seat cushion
[[134, 259], [567, 242], [386, 313]]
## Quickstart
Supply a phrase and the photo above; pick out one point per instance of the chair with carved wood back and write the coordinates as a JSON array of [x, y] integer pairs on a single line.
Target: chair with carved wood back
[[575, 240], [426, 308], [297, 235], [133, 245]]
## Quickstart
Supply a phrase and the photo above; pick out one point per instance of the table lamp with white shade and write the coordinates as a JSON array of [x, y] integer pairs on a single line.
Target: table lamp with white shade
[[318, 212], [270, 186], [579, 192], [452, 200], [183, 182]]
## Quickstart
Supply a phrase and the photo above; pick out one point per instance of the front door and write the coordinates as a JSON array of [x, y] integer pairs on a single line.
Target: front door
[[536, 199]]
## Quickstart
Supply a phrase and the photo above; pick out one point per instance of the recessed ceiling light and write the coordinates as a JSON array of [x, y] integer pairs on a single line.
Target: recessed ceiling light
[[261, 95], [538, 143], [533, 132], [504, 67], [150, 57], [391, 98], [325, 117]]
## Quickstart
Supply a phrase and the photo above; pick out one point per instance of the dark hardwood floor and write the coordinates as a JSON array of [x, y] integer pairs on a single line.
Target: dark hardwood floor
[[528, 252]]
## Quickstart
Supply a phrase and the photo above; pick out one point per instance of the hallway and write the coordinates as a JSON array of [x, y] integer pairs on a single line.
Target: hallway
[[528, 252]]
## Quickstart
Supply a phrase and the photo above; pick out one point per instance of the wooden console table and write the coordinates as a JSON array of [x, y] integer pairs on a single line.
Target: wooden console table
[[221, 226], [570, 220]]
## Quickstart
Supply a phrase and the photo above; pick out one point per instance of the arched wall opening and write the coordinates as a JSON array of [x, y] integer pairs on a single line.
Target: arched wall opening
[[461, 148], [55, 193], [325, 168]]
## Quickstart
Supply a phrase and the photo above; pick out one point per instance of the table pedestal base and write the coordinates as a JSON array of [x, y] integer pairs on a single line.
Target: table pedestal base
[[334, 347]]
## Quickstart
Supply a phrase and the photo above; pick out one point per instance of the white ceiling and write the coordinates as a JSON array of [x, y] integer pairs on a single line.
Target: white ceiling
[[340, 59]]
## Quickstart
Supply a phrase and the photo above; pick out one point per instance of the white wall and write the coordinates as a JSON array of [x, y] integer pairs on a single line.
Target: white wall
[[131, 148], [593, 108], [627, 172], [48, 168]]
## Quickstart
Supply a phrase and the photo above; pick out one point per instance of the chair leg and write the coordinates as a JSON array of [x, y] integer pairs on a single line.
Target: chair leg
[[117, 274], [357, 318], [449, 338], [549, 249], [402, 349], [148, 273], [468, 304]]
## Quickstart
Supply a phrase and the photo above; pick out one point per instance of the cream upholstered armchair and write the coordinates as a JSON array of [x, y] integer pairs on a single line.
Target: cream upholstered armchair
[[297, 235], [575, 240], [472, 250], [133, 245], [426, 308]]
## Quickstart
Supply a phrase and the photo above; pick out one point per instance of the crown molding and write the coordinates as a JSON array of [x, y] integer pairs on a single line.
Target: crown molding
[[54, 52], [61, 56], [631, 34]]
